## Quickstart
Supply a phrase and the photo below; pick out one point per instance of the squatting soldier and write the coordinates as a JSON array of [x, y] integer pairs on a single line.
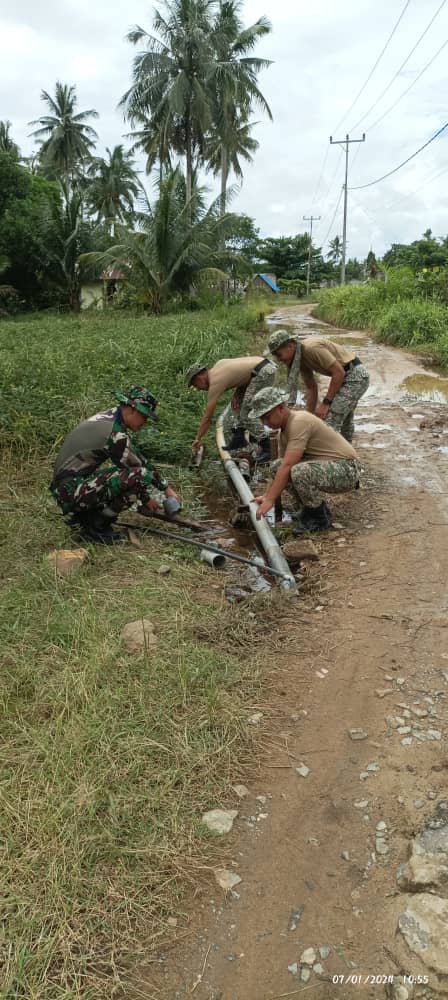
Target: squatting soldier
[[349, 377], [315, 460], [94, 498], [246, 376]]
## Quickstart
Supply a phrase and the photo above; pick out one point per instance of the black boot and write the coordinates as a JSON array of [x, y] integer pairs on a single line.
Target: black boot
[[96, 526], [238, 439], [263, 457], [314, 519]]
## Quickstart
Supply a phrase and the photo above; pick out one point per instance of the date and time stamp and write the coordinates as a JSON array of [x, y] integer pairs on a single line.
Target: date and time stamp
[[364, 979]]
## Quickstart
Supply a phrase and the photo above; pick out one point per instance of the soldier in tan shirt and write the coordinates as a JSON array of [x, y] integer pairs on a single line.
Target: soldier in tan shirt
[[315, 460], [349, 379], [246, 376]]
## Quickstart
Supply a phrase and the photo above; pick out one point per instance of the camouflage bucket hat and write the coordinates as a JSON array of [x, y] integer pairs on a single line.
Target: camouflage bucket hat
[[194, 370], [141, 400], [266, 400], [279, 338]]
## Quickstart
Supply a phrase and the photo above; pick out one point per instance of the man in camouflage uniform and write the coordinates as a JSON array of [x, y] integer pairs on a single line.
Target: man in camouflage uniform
[[246, 375], [93, 498], [315, 460], [349, 379]]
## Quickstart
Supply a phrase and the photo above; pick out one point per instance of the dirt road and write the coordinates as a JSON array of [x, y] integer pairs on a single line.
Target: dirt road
[[318, 855]]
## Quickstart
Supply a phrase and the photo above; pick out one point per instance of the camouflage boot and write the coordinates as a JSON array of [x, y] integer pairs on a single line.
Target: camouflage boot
[[314, 519]]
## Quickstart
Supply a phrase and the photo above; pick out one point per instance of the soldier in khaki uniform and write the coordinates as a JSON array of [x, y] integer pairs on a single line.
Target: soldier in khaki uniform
[[246, 376], [349, 377], [315, 460]]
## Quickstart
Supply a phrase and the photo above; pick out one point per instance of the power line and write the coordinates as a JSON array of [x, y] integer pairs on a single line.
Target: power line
[[408, 194], [375, 66], [345, 144], [400, 98], [360, 187], [411, 53]]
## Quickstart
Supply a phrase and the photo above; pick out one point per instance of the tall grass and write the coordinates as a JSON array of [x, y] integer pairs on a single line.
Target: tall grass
[[393, 310]]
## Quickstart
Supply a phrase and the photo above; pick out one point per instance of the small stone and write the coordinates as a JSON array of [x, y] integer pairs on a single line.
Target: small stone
[[303, 770], [364, 775], [67, 562], [320, 607], [308, 957], [433, 734], [220, 820], [362, 804], [381, 846], [318, 969], [357, 734], [172, 921], [255, 719], [419, 804], [373, 767], [400, 681], [138, 637], [381, 826], [300, 550], [382, 692], [164, 570], [404, 730], [432, 795], [421, 713], [345, 855], [406, 741], [241, 791], [295, 918], [294, 717], [305, 975], [226, 879], [324, 951], [262, 799], [293, 969]]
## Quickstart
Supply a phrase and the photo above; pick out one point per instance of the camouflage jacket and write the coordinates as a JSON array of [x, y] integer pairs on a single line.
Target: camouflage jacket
[[99, 439]]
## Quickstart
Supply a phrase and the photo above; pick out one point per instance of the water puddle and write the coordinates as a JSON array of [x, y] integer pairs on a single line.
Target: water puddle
[[371, 428], [430, 388]]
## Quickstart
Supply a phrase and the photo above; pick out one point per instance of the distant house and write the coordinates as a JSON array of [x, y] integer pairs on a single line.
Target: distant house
[[99, 292], [266, 281]]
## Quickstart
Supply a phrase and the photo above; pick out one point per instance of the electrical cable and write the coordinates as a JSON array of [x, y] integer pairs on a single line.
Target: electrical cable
[[417, 78], [408, 194], [342, 120], [360, 187], [411, 53]]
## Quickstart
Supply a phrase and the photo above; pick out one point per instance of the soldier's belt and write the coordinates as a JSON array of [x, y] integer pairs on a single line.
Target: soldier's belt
[[258, 368], [352, 364]]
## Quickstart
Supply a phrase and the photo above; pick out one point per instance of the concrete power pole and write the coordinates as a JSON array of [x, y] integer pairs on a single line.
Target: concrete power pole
[[345, 143], [310, 219]]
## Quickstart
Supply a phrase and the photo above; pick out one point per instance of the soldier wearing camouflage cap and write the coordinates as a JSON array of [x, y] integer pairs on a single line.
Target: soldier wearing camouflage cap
[[349, 379], [315, 460], [94, 498], [246, 376]]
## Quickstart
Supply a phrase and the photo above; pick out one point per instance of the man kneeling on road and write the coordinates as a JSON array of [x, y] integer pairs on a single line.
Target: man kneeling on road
[[246, 376], [315, 460], [349, 379], [93, 498]]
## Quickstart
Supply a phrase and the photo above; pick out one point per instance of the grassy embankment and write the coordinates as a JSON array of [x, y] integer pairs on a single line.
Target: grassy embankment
[[108, 761], [393, 312]]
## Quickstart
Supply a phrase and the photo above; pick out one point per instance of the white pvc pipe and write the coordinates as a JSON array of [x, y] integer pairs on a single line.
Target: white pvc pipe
[[267, 540], [212, 558]]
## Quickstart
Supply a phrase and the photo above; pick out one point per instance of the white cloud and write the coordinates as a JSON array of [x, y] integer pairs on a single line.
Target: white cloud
[[322, 53]]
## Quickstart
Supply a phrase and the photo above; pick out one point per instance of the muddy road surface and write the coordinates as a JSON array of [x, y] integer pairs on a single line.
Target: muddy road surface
[[359, 704]]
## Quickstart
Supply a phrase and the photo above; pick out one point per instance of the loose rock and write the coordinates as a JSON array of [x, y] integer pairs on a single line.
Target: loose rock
[[299, 550], [138, 637], [163, 570], [255, 719], [318, 969], [305, 975], [303, 770], [293, 969], [424, 927], [295, 918], [382, 692], [220, 820], [226, 879], [241, 791], [67, 562], [324, 951], [308, 957], [357, 734], [362, 804]]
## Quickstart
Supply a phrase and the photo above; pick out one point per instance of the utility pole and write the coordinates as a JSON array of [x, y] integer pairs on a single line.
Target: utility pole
[[310, 219], [345, 143]]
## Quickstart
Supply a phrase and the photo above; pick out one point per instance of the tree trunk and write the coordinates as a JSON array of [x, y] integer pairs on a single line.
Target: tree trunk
[[189, 157], [224, 176]]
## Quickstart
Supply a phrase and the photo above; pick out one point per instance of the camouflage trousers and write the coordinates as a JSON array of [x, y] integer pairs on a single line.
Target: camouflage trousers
[[309, 481], [116, 488], [240, 417], [341, 414]]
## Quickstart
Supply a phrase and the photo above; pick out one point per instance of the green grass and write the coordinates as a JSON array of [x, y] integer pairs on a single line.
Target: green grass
[[391, 312], [108, 760], [55, 371]]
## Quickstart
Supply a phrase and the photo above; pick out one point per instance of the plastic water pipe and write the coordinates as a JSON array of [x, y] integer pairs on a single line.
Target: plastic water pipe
[[266, 538]]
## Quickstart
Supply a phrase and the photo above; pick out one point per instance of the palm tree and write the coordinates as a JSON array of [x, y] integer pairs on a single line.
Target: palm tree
[[335, 252], [233, 80], [169, 93], [66, 140], [114, 187], [7, 144], [178, 240], [224, 151]]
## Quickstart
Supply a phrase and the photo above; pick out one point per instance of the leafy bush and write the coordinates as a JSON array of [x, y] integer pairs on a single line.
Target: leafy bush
[[59, 370]]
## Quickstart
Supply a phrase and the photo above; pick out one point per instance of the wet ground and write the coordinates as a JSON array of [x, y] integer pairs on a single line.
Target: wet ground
[[367, 645]]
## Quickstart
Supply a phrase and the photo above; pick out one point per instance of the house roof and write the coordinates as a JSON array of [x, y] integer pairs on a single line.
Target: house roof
[[269, 282], [112, 274]]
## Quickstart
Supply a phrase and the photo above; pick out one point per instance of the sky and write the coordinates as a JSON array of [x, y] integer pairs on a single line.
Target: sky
[[322, 54]]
